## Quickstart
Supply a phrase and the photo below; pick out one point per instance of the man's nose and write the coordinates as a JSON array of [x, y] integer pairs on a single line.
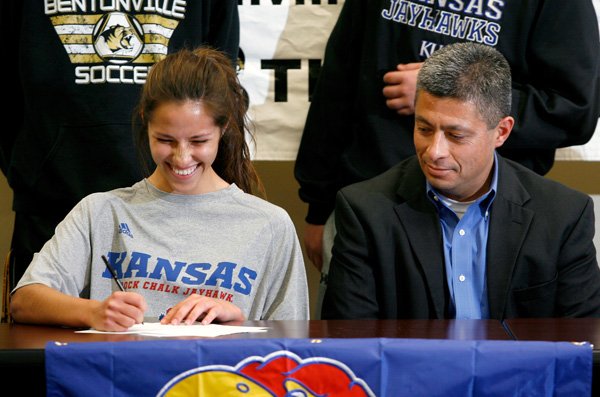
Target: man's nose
[[438, 145]]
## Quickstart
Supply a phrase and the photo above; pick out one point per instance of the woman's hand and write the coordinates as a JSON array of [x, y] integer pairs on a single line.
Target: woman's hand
[[118, 312], [204, 309]]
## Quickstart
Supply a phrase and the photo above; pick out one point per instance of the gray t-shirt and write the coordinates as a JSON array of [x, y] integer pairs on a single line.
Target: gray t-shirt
[[225, 244]]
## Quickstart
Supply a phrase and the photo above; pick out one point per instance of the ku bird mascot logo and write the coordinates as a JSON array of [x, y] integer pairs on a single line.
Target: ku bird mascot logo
[[280, 374]]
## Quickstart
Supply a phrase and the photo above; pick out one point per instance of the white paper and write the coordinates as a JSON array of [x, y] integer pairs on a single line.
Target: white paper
[[167, 330]]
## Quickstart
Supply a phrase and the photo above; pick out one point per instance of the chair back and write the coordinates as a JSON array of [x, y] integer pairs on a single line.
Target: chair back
[[6, 288]]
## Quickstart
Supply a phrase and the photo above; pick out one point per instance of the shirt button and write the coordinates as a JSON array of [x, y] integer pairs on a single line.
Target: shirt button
[[461, 232], [461, 277]]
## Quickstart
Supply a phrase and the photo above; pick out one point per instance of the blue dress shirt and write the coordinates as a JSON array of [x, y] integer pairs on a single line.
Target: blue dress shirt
[[465, 242]]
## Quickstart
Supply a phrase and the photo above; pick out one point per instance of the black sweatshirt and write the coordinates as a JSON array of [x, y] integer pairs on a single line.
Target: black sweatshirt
[[75, 75], [350, 135]]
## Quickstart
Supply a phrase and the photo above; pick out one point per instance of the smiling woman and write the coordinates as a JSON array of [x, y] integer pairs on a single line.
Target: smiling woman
[[191, 241], [193, 102], [184, 143]]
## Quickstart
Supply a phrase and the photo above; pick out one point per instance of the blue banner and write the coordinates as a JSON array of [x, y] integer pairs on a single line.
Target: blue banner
[[319, 367]]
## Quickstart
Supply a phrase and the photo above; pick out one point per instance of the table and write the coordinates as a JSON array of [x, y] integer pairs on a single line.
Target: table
[[561, 329], [557, 329], [22, 346]]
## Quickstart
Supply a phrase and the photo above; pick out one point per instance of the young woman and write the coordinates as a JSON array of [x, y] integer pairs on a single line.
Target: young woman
[[188, 243]]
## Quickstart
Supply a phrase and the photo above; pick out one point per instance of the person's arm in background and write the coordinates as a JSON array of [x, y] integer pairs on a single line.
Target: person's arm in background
[[12, 109], [559, 104], [329, 118], [313, 244], [223, 24]]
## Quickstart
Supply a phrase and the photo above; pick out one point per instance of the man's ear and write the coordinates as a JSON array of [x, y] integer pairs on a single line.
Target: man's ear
[[503, 130]]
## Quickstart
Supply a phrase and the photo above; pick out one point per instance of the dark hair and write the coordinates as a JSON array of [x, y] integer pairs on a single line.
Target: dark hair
[[207, 75], [470, 72]]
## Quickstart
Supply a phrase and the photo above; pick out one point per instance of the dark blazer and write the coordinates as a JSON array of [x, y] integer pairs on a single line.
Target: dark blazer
[[388, 259]]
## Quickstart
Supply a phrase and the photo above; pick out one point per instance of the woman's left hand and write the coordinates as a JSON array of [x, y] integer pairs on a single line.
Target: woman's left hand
[[204, 309]]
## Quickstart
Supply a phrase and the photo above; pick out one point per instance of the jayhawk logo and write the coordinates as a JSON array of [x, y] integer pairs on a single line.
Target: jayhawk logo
[[279, 374]]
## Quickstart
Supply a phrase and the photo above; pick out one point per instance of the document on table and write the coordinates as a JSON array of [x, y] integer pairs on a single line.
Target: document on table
[[168, 330]]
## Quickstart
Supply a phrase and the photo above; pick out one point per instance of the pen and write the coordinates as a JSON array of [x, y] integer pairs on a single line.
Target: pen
[[114, 273]]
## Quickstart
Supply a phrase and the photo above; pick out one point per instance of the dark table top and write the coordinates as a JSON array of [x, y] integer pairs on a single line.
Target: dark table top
[[34, 337], [22, 347], [556, 329]]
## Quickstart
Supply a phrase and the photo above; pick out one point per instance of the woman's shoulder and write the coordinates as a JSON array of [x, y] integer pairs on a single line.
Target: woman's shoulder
[[258, 204], [123, 195]]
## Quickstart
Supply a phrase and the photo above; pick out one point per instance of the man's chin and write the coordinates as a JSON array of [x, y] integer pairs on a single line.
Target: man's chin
[[442, 185]]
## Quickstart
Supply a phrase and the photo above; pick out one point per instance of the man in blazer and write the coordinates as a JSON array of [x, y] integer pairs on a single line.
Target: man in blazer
[[457, 231]]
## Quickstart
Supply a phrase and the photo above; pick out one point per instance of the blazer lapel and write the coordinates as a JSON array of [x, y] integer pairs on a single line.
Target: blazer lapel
[[418, 217], [509, 225]]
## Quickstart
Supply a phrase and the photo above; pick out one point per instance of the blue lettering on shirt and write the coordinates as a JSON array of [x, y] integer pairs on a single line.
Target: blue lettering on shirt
[[224, 275], [223, 272], [473, 20], [197, 275], [246, 277], [139, 263], [171, 272]]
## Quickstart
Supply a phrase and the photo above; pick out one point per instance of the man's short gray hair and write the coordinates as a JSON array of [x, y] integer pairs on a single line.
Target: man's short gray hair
[[473, 73]]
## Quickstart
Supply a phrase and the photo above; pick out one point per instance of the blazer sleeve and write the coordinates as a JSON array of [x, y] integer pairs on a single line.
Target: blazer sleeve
[[351, 292], [578, 290]]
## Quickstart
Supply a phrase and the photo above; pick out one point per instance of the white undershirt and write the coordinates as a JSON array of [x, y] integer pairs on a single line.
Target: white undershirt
[[458, 207]]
